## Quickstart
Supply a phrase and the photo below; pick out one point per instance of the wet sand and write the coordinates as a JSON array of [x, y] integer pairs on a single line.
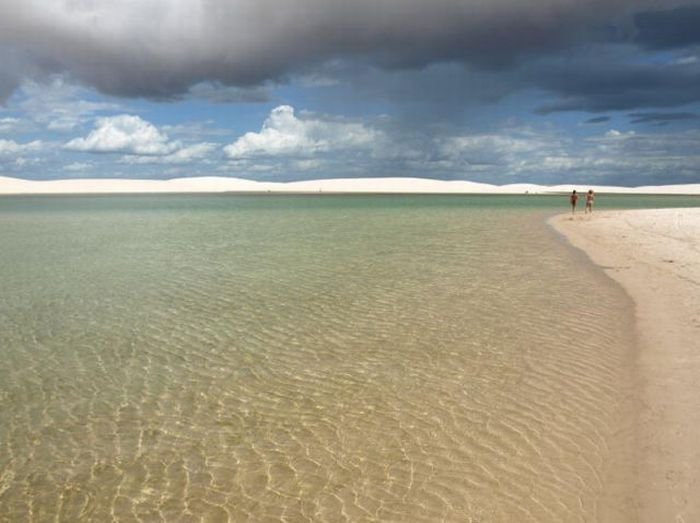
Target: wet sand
[[655, 256]]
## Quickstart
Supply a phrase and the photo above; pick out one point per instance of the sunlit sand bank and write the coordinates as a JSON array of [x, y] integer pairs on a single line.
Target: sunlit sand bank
[[356, 185], [655, 256]]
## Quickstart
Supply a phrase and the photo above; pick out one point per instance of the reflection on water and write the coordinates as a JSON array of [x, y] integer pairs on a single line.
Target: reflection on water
[[256, 359]]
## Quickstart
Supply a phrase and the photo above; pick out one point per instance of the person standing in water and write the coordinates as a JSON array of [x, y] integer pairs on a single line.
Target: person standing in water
[[573, 199], [589, 201]]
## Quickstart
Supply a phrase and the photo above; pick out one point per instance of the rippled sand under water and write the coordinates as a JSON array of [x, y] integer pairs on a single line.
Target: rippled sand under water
[[304, 363]]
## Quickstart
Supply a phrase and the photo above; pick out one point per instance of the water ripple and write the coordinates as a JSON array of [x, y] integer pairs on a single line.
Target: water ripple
[[391, 366]]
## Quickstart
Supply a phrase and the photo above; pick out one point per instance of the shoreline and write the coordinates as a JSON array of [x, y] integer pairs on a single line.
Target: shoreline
[[655, 256]]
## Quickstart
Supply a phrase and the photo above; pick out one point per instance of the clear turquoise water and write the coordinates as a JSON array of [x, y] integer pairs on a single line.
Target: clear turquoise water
[[305, 358]]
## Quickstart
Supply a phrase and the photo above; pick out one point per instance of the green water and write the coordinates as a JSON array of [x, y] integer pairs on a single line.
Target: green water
[[125, 203], [305, 358]]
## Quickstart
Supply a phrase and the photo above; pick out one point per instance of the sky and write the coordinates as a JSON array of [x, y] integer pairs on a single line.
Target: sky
[[603, 92]]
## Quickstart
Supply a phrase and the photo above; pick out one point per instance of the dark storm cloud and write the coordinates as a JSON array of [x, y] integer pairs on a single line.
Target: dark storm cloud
[[669, 28], [597, 85], [441, 92], [15, 66], [218, 94], [160, 48], [623, 73], [661, 118]]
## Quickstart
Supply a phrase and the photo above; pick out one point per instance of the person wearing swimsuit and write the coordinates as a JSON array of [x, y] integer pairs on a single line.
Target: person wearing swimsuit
[[573, 199], [589, 201]]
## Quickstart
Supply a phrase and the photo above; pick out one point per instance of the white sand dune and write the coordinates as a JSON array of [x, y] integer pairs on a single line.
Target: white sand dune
[[655, 255], [211, 184]]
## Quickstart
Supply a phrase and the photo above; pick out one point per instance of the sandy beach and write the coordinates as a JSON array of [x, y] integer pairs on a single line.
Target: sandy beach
[[655, 256]]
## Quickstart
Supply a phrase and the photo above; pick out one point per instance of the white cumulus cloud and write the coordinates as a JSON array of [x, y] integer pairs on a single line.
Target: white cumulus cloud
[[12, 148], [8, 124], [514, 149], [124, 134], [60, 106], [186, 154], [78, 167], [285, 134]]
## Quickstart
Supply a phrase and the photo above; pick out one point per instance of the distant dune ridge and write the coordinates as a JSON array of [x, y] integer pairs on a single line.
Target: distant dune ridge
[[212, 184]]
